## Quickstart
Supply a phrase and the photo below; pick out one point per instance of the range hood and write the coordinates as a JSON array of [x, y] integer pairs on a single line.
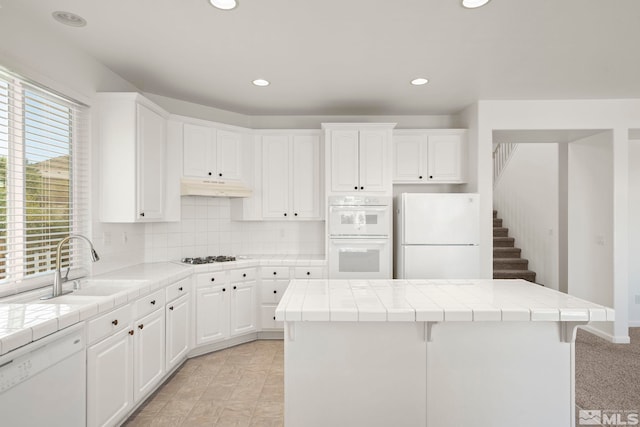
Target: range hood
[[212, 188]]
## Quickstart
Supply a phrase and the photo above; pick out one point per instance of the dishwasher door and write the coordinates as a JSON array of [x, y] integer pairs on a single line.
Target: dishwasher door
[[44, 383]]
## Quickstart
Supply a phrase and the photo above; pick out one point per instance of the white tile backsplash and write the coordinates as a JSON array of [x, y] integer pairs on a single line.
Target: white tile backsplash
[[206, 229]]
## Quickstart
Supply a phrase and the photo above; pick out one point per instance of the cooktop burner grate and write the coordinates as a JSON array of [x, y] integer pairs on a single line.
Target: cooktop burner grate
[[209, 259]]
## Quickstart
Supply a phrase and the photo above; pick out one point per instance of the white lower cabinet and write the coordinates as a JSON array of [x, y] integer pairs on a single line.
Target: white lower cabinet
[[110, 379], [243, 308], [149, 351], [212, 314], [177, 315]]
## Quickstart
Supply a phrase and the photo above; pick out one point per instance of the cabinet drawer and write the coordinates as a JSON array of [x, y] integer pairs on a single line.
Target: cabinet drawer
[[271, 292], [178, 289], [309, 273], [209, 279], [243, 275], [108, 324], [268, 317], [152, 302], [275, 272]]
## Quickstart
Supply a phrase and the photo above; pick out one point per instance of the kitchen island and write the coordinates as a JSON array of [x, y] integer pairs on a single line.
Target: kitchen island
[[430, 353]]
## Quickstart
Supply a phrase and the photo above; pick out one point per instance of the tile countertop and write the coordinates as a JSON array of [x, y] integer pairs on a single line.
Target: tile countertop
[[22, 323], [432, 301]]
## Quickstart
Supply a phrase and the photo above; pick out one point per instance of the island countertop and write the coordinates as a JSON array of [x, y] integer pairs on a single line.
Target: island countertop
[[432, 301]]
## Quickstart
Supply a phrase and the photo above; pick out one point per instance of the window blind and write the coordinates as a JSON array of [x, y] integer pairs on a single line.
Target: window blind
[[44, 182]]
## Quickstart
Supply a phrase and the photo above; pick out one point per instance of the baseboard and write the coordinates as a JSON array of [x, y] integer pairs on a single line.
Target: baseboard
[[271, 335], [615, 339], [208, 348], [634, 323]]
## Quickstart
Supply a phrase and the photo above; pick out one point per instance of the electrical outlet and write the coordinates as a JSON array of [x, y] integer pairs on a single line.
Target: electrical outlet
[[125, 238]]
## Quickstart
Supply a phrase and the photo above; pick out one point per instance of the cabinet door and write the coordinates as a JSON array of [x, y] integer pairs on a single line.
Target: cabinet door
[[199, 155], [229, 146], [344, 160], [445, 158], [305, 176], [243, 308], [151, 142], [109, 380], [409, 158], [373, 161], [148, 350], [275, 176], [177, 320], [212, 314]]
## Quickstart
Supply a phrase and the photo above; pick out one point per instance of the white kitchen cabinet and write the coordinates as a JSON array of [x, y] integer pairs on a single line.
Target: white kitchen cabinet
[[243, 308], [429, 156], [110, 379], [212, 314], [149, 351], [359, 157], [177, 316], [211, 153], [291, 176], [133, 144]]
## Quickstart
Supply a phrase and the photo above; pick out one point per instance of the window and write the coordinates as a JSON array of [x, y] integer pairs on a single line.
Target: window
[[43, 180]]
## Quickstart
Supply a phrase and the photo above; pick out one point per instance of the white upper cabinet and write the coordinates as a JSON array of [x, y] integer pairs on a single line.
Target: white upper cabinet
[[291, 176], [133, 168], [359, 157], [429, 156], [211, 153]]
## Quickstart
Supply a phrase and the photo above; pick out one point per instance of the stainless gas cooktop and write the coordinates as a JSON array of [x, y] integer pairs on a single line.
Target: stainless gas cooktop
[[208, 259]]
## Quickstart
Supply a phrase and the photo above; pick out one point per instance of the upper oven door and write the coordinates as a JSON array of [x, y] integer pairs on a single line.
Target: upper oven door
[[359, 220]]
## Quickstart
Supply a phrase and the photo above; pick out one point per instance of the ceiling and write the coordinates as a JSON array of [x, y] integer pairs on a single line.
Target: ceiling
[[358, 56]]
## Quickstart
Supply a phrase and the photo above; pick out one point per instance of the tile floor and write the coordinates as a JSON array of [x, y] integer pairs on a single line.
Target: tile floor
[[239, 386]]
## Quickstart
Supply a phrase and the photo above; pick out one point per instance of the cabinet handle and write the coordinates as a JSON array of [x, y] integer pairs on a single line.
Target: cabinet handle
[[362, 188], [235, 287], [219, 174], [274, 273], [153, 302], [180, 288], [420, 177], [244, 274], [210, 173], [430, 176], [355, 188], [295, 214], [171, 308], [213, 279], [275, 292], [131, 332], [141, 213], [285, 214], [308, 273], [115, 322], [274, 317], [224, 289], [140, 326]]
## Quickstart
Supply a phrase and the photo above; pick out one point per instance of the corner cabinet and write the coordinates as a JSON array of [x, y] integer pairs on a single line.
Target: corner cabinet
[[358, 157], [429, 156], [291, 166], [133, 143]]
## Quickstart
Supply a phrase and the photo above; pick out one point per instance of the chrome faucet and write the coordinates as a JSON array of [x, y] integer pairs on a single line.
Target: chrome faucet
[[57, 278]]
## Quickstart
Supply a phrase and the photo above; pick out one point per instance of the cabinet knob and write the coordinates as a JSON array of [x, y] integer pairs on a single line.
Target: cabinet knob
[[140, 326], [153, 302], [131, 332], [213, 279], [141, 213], [355, 188], [285, 214], [362, 188], [420, 177], [274, 317], [171, 308], [430, 176], [274, 273], [180, 288], [210, 174], [115, 322], [224, 289], [308, 273], [219, 174], [275, 292], [295, 214], [244, 274], [235, 287]]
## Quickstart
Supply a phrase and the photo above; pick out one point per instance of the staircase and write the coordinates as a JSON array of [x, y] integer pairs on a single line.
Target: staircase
[[507, 263]]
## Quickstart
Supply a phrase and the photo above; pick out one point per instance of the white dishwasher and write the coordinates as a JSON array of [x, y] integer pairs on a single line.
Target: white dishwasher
[[44, 383]]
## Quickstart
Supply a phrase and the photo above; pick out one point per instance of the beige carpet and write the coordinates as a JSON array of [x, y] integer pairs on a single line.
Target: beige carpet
[[608, 375]]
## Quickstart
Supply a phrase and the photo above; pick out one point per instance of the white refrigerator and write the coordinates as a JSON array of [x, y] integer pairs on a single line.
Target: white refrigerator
[[437, 236]]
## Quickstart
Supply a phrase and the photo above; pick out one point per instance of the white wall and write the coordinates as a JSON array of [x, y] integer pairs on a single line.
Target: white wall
[[51, 61], [590, 231], [205, 229], [634, 231], [526, 197]]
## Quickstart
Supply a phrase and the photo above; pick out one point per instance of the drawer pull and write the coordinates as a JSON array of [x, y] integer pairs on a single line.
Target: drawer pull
[[180, 288], [140, 326], [114, 322], [308, 273], [244, 274], [131, 332], [171, 308], [153, 302], [235, 287], [213, 279], [275, 292], [274, 317], [224, 289], [275, 272]]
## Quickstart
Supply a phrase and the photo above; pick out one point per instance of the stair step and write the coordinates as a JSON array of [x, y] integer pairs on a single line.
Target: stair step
[[500, 232], [527, 275], [510, 264], [506, 252], [503, 242], [495, 213], [497, 222]]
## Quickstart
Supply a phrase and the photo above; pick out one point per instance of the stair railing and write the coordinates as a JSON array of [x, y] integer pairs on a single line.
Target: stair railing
[[501, 155]]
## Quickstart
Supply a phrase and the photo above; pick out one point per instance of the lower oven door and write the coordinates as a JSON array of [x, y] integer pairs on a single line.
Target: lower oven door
[[359, 258]]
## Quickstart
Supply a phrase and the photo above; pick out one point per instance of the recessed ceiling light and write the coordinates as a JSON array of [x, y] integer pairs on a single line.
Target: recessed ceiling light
[[472, 4], [224, 4], [70, 19], [261, 82], [419, 81]]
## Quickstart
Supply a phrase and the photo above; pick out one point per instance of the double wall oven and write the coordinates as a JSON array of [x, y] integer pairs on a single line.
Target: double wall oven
[[360, 237]]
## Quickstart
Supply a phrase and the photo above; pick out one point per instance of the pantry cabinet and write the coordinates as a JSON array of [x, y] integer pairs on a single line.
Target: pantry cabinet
[[133, 144], [211, 153], [429, 156], [291, 176], [358, 157]]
